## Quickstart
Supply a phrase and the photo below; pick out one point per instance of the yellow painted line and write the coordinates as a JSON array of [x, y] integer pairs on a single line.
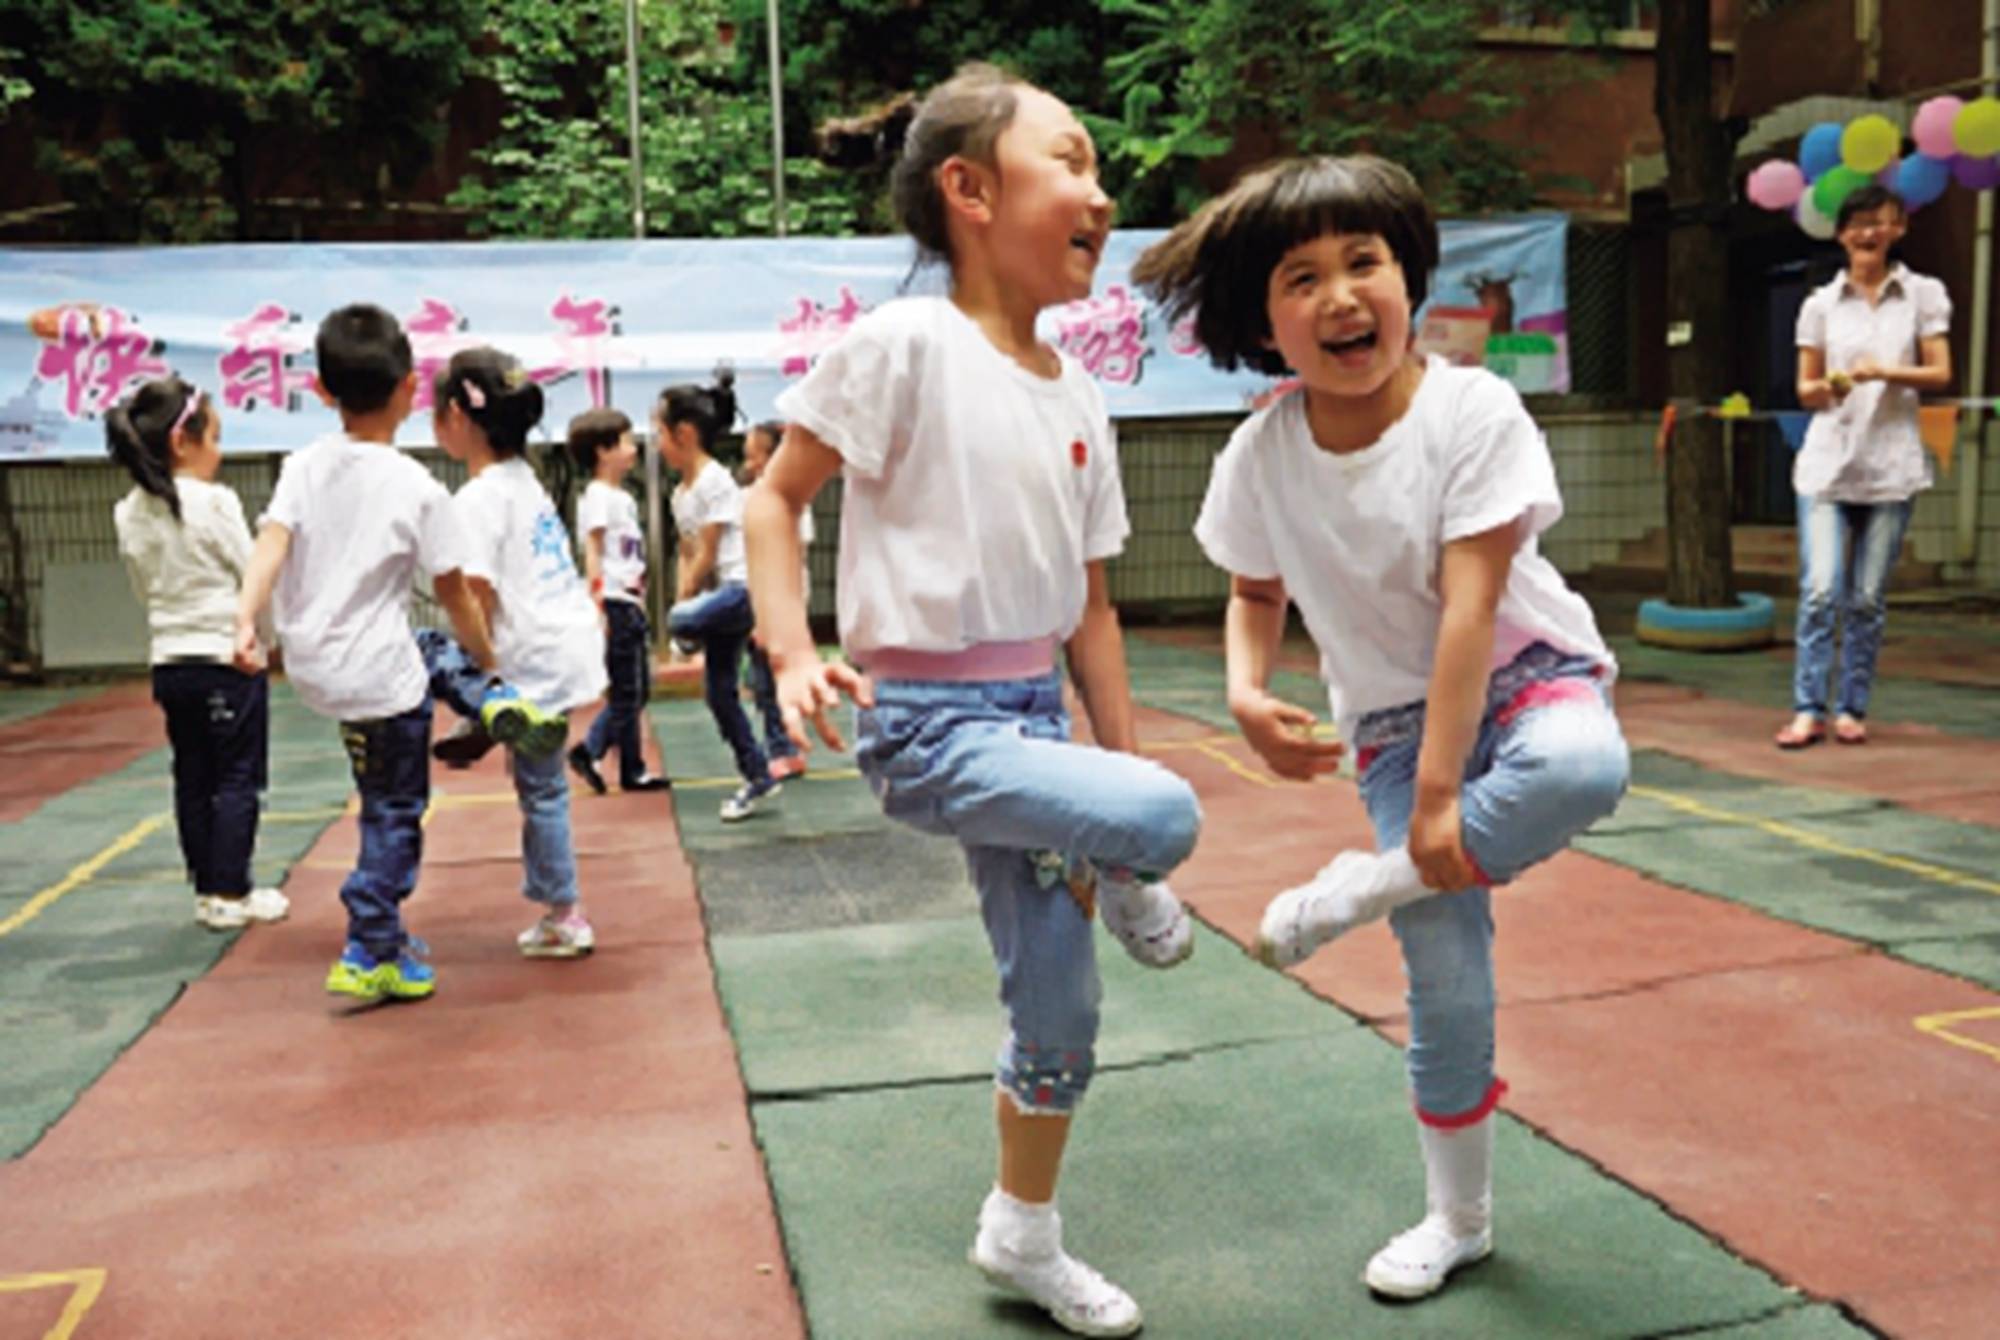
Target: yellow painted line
[[42, 901], [1939, 1027], [84, 1285], [1243, 770], [1831, 846]]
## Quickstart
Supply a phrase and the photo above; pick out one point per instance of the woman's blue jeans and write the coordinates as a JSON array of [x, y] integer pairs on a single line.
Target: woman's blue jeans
[[1549, 762], [721, 621], [992, 765], [1852, 591]]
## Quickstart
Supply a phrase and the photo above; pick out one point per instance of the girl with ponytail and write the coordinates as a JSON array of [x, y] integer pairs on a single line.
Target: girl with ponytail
[[708, 514], [186, 544], [546, 633]]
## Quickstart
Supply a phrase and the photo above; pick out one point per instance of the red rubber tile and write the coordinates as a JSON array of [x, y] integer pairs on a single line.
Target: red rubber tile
[[48, 753]]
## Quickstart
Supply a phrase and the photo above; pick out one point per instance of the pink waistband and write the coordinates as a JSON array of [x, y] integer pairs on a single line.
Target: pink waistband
[[981, 661]]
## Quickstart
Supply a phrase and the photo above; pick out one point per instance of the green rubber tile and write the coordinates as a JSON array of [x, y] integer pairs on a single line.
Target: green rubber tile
[[1236, 1194], [1802, 1322], [1973, 957], [1728, 792], [57, 1044], [919, 1001], [784, 883], [1189, 681]]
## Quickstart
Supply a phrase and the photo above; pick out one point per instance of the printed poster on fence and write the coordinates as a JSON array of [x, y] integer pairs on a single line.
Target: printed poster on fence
[[615, 322]]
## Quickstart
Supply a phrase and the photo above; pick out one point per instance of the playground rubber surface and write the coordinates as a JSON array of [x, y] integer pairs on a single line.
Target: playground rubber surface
[[1751, 1025]]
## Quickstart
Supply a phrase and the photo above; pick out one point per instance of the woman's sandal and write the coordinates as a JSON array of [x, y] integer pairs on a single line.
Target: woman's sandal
[[1795, 736], [1850, 730]]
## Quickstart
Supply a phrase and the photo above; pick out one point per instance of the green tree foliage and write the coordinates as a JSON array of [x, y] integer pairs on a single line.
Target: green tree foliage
[[168, 120], [560, 166]]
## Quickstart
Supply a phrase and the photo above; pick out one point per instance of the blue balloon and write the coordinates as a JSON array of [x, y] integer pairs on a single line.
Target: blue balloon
[[1820, 149], [1921, 179]]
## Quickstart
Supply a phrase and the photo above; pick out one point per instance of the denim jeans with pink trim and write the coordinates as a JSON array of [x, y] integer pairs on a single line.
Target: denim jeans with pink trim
[[1549, 762]]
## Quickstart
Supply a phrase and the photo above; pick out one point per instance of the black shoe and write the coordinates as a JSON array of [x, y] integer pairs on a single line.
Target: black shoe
[[651, 781], [463, 745], [584, 766]]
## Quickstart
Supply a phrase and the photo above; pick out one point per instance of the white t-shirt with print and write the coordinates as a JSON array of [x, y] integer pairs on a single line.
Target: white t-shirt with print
[[364, 520], [187, 572], [712, 498], [608, 508], [546, 633], [1357, 538], [974, 491], [1867, 448]]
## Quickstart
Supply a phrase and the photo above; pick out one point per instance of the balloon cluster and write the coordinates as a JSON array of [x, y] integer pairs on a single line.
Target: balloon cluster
[[1955, 141]]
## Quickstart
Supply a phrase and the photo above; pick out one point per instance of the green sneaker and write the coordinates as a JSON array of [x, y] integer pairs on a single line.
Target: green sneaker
[[516, 722], [356, 973]]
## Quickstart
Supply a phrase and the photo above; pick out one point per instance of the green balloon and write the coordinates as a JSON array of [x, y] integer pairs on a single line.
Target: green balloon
[[1834, 186]]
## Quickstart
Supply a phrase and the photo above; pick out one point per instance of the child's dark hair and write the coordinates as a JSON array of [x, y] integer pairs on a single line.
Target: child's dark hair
[[1218, 263], [771, 428], [1872, 196], [363, 357], [496, 393], [712, 409], [962, 117], [139, 433], [595, 431]]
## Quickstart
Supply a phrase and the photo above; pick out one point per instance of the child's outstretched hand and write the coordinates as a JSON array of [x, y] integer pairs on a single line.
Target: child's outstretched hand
[[1437, 847], [809, 688], [249, 655], [1282, 735]]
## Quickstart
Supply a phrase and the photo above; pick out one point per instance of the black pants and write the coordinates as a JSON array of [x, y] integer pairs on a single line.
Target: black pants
[[219, 723]]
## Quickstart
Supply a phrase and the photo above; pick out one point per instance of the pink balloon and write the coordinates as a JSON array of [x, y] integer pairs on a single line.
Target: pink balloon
[[1776, 184], [1976, 174], [1932, 127]]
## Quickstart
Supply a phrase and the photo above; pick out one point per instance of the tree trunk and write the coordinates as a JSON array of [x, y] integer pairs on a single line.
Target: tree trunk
[[1700, 151]]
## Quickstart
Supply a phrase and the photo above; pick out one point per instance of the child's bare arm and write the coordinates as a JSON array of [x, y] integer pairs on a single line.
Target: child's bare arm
[[1097, 667], [458, 595], [593, 563], [1281, 732], [697, 561], [267, 556]]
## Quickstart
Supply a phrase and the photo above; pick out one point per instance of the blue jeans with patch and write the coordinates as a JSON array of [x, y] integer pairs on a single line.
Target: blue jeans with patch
[[992, 765], [391, 760], [1549, 761], [1853, 591], [218, 721], [721, 621]]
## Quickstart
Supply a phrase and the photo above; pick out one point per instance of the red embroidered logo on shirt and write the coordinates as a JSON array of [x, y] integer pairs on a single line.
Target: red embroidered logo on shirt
[[1079, 454]]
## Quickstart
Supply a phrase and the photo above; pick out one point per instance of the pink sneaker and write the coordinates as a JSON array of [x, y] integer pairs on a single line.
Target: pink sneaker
[[563, 934]]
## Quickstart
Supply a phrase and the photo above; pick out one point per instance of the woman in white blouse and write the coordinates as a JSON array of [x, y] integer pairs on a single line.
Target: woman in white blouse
[[1870, 341]]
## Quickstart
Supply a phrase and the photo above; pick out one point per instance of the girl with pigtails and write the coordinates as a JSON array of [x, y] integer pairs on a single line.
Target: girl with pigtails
[[186, 545]]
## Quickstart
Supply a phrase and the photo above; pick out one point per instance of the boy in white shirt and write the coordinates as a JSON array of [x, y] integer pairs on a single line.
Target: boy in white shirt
[[614, 563], [349, 525]]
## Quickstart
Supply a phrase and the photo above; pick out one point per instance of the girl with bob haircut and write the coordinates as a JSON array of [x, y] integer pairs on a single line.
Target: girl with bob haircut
[[1397, 501], [980, 501]]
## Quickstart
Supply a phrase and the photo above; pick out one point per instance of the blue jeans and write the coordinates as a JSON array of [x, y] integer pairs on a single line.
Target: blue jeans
[[992, 765], [1549, 762], [218, 721], [391, 760], [764, 688], [721, 621], [628, 662], [1831, 586], [541, 786]]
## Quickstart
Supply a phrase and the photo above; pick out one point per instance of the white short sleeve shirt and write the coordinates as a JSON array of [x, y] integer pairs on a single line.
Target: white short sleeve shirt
[[1357, 537], [712, 498], [365, 520], [1867, 448], [546, 633], [188, 571], [975, 492], [608, 508]]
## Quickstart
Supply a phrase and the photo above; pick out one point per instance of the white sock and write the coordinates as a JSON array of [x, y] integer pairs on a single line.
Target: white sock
[[1022, 1227], [1458, 1174]]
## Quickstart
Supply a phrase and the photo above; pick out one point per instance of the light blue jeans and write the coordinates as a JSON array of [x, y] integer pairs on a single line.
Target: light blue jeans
[[1853, 591], [1549, 762], [992, 765], [548, 861]]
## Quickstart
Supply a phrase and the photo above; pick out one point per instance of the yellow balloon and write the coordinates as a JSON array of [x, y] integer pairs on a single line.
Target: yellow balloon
[[1976, 130], [1869, 142]]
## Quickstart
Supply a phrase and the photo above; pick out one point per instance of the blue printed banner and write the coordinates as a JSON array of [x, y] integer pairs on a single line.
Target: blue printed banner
[[615, 322]]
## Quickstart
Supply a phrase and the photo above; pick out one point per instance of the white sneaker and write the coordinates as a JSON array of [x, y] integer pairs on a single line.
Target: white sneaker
[[229, 914], [558, 935], [1355, 888], [748, 799], [1082, 1301], [1417, 1261], [1147, 919]]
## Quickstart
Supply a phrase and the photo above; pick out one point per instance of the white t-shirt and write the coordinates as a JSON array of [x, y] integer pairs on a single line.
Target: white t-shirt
[[546, 633], [712, 498], [975, 491], [364, 519], [612, 510], [1867, 448], [1358, 537], [187, 573]]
